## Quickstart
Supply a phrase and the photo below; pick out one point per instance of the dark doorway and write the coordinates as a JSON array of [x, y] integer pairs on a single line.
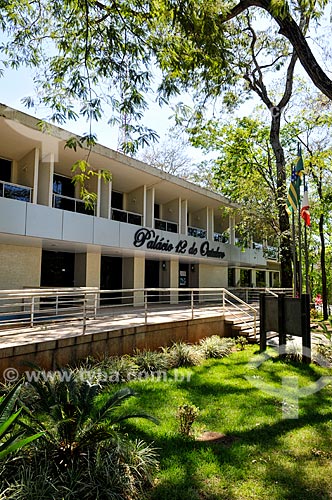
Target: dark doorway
[[111, 279], [152, 278], [57, 269], [5, 170], [184, 281]]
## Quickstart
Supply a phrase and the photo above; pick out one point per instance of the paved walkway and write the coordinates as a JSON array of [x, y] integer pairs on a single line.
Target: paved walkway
[[113, 319]]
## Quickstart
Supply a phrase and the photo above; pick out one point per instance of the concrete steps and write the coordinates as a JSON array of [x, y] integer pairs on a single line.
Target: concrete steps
[[241, 323]]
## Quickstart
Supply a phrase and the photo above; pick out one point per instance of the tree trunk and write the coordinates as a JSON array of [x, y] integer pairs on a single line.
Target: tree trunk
[[323, 267], [285, 239]]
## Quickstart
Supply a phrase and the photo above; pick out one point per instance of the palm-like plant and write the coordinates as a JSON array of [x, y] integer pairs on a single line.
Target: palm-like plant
[[75, 420], [11, 434]]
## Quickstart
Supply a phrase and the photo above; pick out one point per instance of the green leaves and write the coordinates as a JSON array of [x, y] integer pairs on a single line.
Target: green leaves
[[11, 439]]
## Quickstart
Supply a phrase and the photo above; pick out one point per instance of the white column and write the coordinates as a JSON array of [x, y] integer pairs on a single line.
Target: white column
[[35, 176]]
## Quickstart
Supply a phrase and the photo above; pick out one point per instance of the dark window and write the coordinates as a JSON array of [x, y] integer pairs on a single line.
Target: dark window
[[134, 219], [57, 269], [245, 277], [160, 224], [5, 170], [111, 279], [152, 268], [119, 215], [231, 277], [64, 186], [117, 200], [156, 210]]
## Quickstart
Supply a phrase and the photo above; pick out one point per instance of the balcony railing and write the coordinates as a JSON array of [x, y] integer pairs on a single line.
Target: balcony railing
[[221, 238], [166, 225], [124, 216], [71, 204], [15, 191], [196, 232]]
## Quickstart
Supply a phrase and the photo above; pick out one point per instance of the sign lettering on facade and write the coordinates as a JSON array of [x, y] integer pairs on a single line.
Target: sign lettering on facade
[[147, 237]]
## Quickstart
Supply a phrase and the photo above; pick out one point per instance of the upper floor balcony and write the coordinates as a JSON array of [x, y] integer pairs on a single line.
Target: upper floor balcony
[[125, 216], [197, 232], [166, 225], [15, 191], [72, 204]]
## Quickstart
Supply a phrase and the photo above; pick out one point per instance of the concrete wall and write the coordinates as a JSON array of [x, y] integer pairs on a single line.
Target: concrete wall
[[19, 267], [58, 353], [213, 276]]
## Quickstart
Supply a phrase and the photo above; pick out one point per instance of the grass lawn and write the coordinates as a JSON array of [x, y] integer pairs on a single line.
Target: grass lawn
[[269, 457]]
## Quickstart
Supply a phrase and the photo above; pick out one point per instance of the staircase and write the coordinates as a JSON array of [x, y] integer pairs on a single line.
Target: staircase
[[242, 323]]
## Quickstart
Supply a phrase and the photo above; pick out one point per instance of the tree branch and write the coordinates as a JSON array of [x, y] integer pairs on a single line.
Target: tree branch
[[290, 30]]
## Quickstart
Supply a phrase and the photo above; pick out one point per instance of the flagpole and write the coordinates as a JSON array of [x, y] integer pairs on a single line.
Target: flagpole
[[294, 256], [306, 254], [300, 249]]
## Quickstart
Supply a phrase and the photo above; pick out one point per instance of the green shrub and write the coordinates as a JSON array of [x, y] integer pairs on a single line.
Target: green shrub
[[150, 361], [181, 354], [216, 347], [241, 342], [118, 369], [12, 433], [98, 475], [83, 452]]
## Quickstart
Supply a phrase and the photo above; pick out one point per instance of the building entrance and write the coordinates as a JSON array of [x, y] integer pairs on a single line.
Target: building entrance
[[152, 278], [111, 279], [57, 269]]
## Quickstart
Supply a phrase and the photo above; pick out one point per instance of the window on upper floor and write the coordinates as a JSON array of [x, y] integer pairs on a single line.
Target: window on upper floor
[[156, 211], [117, 200], [5, 170], [63, 185]]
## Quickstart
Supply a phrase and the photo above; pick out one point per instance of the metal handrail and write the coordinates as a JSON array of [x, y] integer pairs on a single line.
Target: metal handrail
[[194, 229], [36, 306]]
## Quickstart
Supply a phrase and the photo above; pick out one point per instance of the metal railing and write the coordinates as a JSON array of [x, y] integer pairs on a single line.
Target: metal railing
[[221, 237], [125, 216], [251, 295], [197, 232], [15, 191], [71, 204], [87, 306], [166, 225]]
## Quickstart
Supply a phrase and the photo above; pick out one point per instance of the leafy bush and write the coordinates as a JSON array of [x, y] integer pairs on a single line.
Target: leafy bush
[[150, 361], [100, 475], [216, 347], [11, 433], [181, 354], [118, 369], [83, 452]]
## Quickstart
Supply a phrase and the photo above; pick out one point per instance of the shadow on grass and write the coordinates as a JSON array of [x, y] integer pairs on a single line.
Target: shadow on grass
[[192, 470]]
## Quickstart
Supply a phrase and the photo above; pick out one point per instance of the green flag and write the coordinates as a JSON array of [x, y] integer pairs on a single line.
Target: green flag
[[293, 198]]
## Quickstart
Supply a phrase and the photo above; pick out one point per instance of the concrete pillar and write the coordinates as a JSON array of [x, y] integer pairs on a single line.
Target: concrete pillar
[[237, 276], [183, 221], [35, 176], [105, 195], [133, 277], [45, 181], [174, 280], [232, 229], [210, 224], [149, 207]]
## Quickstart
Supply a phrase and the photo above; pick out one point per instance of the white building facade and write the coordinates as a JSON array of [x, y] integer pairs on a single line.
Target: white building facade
[[148, 228]]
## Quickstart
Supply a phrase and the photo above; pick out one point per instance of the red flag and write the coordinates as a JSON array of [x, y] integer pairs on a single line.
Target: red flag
[[305, 214]]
